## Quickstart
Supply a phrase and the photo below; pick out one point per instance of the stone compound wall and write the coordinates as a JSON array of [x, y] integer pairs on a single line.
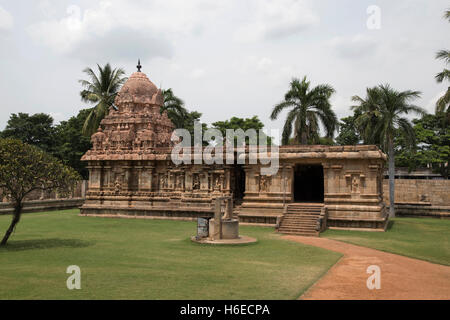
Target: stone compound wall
[[45, 201], [419, 191], [420, 197]]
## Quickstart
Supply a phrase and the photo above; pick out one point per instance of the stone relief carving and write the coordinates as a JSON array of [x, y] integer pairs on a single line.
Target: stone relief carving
[[196, 182], [264, 182], [163, 182], [117, 186], [218, 183], [355, 184], [98, 139], [179, 182]]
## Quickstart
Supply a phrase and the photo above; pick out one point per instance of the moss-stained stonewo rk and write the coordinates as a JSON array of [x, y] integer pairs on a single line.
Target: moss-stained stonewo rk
[[131, 174]]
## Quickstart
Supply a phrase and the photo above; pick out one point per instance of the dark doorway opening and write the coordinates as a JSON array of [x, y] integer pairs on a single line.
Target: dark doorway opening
[[238, 183], [308, 183]]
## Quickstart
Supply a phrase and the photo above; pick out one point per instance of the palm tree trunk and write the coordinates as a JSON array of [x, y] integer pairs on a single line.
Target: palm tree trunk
[[391, 178], [15, 220], [304, 139]]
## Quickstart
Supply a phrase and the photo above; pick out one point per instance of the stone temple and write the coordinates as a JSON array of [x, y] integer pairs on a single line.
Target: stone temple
[[316, 187]]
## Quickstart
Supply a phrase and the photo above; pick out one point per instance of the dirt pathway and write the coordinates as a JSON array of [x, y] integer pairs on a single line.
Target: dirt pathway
[[401, 277]]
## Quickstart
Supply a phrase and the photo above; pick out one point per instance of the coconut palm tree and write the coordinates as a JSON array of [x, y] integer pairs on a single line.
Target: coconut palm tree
[[307, 106], [100, 90], [381, 116], [443, 104], [175, 108]]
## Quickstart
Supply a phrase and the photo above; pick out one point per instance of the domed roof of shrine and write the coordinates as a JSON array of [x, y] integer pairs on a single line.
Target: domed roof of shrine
[[140, 90]]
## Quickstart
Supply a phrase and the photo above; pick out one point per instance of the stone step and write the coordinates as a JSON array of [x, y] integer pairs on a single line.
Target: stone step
[[304, 234], [297, 230], [301, 218], [298, 227], [304, 211], [304, 208], [300, 224], [295, 223]]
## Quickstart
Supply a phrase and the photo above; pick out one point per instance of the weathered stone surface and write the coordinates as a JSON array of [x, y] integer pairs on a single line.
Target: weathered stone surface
[[131, 173], [137, 130]]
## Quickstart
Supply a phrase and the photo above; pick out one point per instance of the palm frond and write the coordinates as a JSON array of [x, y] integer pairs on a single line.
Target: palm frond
[[280, 107], [100, 89], [408, 131], [444, 75], [443, 55], [443, 104], [287, 129]]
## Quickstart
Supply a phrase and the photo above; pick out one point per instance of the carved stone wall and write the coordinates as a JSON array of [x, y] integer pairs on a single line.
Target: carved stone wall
[[131, 172], [353, 191]]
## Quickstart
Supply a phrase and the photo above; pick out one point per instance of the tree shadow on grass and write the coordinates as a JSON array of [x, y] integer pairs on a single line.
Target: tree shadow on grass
[[22, 245], [390, 225]]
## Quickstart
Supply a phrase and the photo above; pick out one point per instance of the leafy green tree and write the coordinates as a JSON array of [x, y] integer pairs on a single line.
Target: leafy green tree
[[189, 124], [175, 109], [245, 124], [100, 90], [325, 141], [433, 146], [381, 116], [405, 153], [307, 106], [37, 130], [72, 144], [348, 132], [25, 168], [181, 117]]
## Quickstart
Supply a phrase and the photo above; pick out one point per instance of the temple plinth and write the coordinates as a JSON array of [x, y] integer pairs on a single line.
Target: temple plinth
[[131, 174]]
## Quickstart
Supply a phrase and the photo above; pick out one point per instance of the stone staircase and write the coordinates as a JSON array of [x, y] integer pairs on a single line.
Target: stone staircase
[[301, 219]]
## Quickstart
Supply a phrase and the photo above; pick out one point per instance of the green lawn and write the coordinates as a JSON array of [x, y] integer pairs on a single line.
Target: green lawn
[[421, 238], [150, 259]]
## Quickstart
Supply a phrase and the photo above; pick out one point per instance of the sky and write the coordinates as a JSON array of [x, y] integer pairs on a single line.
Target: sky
[[224, 58]]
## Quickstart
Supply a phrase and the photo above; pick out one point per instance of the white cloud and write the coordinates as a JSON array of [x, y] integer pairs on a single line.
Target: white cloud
[[6, 20], [197, 73], [277, 18], [58, 117], [264, 63], [354, 47], [47, 8], [151, 27]]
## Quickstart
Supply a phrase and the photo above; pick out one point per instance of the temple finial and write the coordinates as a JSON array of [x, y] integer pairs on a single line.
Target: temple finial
[[139, 67]]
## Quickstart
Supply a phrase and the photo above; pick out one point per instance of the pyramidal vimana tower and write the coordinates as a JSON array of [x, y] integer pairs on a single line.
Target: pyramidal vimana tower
[[131, 174]]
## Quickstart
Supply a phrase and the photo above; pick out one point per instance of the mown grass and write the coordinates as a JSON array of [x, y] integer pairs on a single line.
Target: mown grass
[[421, 238], [150, 259]]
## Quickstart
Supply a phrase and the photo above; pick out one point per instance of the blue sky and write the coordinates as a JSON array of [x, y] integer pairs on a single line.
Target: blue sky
[[224, 58]]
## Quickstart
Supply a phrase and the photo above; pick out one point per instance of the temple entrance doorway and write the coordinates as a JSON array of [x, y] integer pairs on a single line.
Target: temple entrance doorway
[[238, 184], [308, 184]]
